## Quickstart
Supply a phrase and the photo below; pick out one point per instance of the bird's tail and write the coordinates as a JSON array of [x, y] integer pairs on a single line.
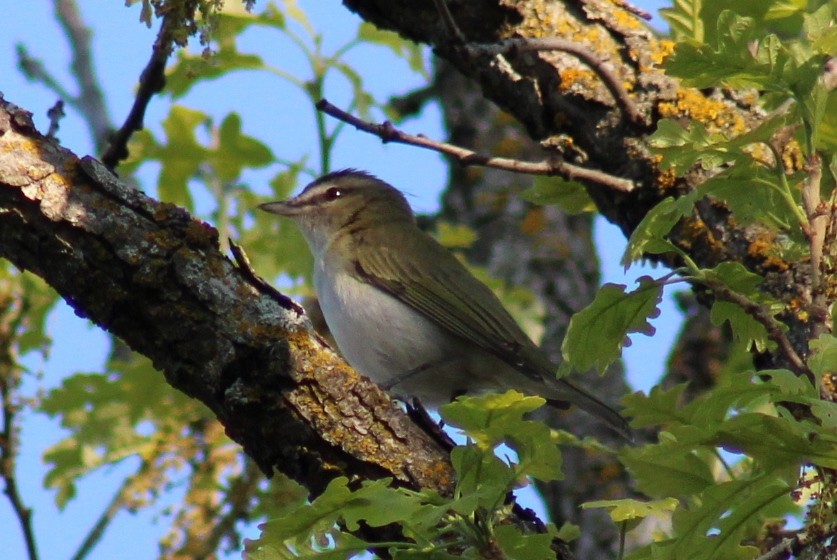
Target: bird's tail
[[568, 392]]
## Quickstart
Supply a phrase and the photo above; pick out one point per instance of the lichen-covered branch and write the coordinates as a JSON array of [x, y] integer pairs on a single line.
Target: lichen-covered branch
[[153, 275]]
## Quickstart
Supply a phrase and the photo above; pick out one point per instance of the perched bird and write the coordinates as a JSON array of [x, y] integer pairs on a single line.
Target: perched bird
[[405, 312]]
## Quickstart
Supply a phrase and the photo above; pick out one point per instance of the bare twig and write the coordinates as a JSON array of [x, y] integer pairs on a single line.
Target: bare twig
[[794, 545], [448, 21], [234, 506], [388, 133], [34, 71], [152, 80], [117, 503], [258, 282], [763, 316], [634, 10], [811, 201], [90, 100], [55, 114]]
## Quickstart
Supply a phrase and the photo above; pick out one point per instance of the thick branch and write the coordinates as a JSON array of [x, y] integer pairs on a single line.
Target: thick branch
[[153, 275]]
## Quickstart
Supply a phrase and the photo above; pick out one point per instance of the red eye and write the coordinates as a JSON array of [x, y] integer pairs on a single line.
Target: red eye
[[333, 193]]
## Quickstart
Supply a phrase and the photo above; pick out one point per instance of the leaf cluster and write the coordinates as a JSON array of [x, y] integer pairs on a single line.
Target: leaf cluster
[[464, 525]]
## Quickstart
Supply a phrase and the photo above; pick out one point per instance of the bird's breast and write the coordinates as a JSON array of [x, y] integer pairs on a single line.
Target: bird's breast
[[377, 334]]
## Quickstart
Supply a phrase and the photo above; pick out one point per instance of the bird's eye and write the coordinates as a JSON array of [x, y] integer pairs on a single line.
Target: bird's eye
[[333, 193]]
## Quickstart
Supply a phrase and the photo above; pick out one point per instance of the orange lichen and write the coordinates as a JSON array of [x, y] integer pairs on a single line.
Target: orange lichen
[[623, 17], [792, 157], [760, 153], [572, 77], [829, 382], [714, 113], [762, 248], [666, 179], [661, 50]]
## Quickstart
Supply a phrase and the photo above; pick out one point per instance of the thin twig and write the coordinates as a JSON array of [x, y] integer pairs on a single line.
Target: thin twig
[[258, 282], [634, 10], [90, 100], [239, 502], [152, 80], [763, 316], [388, 133], [811, 201], [34, 71], [117, 503], [55, 114], [449, 23], [793, 546]]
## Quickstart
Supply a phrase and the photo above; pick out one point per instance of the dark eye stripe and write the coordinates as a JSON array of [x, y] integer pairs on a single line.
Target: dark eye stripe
[[328, 195]]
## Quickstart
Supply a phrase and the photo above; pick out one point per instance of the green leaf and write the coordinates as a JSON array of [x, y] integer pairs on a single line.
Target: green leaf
[[482, 479], [517, 546], [596, 334], [455, 236], [408, 50], [298, 15], [568, 532], [570, 196], [681, 147], [736, 277], [728, 509], [500, 418], [37, 299], [781, 9], [190, 69], [634, 510], [670, 468], [684, 19], [819, 29], [236, 151], [649, 237], [823, 358], [374, 503], [661, 406], [752, 195], [745, 329], [181, 156], [777, 442], [107, 416], [732, 63]]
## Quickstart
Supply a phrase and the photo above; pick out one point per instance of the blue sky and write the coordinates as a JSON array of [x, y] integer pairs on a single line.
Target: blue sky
[[269, 109]]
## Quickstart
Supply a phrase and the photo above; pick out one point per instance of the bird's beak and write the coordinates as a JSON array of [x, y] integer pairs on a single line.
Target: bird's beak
[[281, 207]]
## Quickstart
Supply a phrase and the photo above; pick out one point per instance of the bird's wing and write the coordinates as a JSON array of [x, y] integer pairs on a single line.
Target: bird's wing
[[440, 287]]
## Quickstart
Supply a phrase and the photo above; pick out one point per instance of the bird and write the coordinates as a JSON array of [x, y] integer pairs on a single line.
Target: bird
[[405, 312]]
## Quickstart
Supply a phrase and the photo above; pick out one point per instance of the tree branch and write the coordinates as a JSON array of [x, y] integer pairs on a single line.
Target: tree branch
[[766, 319], [151, 274], [511, 47], [152, 80], [388, 133], [89, 101]]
